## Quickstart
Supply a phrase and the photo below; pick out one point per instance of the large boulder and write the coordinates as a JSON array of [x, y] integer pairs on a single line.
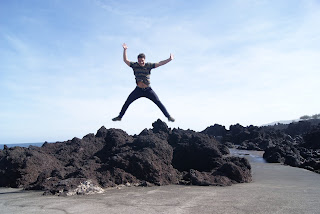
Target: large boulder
[[193, 150], [215, 130], [285, 153]]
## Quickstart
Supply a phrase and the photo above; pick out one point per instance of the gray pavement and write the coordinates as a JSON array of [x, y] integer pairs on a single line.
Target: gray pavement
[[275, 189]]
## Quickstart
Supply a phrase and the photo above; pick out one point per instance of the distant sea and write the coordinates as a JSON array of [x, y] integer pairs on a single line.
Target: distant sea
[[21, 145]]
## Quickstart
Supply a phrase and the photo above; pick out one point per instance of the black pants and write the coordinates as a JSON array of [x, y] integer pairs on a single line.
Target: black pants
[[143, 92]]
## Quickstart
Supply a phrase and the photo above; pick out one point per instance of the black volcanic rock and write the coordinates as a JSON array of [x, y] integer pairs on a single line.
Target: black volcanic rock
[[111, 157], [238, 134], [215, 130], [234, 167], [193, 150], [297, 152], [298, 128], [148, 158], [283, 154], [160, 126], [296, 144], [312, 138]]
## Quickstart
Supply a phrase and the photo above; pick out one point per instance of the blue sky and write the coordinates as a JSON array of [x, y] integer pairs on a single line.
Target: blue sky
[[236, 61]]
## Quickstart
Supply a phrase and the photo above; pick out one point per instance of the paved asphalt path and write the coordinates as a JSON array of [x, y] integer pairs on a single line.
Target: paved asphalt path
[[275, 189]]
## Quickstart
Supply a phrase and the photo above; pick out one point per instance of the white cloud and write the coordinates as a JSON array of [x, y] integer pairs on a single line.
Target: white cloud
[[245, 63]]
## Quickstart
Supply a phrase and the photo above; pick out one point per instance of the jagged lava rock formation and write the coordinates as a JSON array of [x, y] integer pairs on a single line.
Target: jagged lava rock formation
[[296, 144], [111, 157]]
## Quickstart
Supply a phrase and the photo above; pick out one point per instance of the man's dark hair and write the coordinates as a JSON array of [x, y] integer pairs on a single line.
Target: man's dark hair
[[141, 56]]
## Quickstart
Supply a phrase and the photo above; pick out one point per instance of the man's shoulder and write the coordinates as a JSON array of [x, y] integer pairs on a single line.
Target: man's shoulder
[[150, 65], [134, 64]]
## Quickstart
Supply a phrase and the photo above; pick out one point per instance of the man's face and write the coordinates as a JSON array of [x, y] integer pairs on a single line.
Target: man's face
[[141, 61]]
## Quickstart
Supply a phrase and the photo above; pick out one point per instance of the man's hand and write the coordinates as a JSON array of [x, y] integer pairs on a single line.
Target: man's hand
[[171, 56], [125, 58]]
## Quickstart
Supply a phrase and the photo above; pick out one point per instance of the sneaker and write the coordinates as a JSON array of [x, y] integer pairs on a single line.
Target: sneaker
[[116, 119], [171, 119]]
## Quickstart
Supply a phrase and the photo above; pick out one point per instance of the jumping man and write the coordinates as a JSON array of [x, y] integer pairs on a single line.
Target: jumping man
[[142, 71]]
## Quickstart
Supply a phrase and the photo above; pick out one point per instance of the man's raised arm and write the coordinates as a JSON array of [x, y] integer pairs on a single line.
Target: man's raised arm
[[164, 61], [125, 58]]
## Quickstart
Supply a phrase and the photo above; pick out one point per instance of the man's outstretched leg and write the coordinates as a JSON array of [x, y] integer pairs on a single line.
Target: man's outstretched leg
[[150, 94], [135, 94]]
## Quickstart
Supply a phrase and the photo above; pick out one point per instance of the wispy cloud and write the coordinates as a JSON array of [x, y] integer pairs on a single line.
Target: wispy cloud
[[241, 61]]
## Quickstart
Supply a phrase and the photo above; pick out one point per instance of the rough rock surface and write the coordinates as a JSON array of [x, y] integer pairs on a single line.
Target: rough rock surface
[[111, 157], [296, 144], [305, 154]]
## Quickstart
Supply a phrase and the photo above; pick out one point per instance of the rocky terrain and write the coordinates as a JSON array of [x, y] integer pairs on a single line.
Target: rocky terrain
[[111, 157], [296, 144]]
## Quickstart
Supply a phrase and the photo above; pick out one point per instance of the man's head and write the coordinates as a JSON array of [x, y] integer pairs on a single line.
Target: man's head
[[141, 59]]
